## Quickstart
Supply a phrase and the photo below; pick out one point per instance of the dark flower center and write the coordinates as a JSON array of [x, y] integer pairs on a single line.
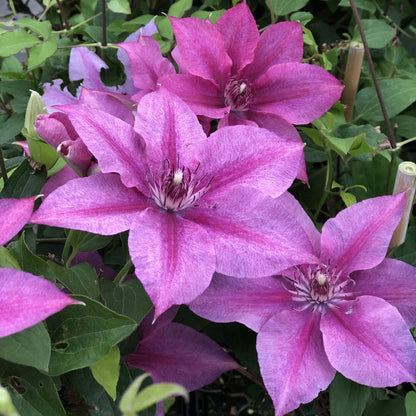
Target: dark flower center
[[237, 94], [319, 287], [174, 188]]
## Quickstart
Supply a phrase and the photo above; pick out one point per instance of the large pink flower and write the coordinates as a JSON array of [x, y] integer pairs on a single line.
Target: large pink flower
[[350, 313], [229, 71], [25, 299], [193, 205]]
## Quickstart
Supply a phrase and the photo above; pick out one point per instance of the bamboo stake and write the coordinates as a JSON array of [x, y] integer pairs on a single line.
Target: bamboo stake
[[405, 181], [352, 77]]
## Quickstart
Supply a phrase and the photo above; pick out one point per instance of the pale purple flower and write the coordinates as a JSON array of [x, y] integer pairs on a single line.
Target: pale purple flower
[[193, 205], [350, 313], [25, 299]]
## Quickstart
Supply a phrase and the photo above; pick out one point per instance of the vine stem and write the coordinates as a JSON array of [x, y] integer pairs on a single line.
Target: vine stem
[[123, 272], [64, 18], [328, 179], [251, 376], [390, 133]]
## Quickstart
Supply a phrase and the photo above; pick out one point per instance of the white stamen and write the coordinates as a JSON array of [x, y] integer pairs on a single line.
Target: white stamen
[[178, 177], [243, 86], [321, 278]]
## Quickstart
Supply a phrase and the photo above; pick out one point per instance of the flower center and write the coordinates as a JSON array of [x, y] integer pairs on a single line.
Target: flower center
[[174, 188], [319, 287], [237, 94]]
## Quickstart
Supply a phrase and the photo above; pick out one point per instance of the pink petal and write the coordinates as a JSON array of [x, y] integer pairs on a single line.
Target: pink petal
[[177, 354], [55, 128], [106, 102], [174, 258], [299, 93], [254, 235], [203, 55], [393, 281], [117, 147], [146, 62], [54, 95], [249, 301], [168, 126], [358, 237], [15, 213], [86, 65], [26, 300], [371, 345], [282, 128], [249, 156], [98, 204], [280, 43], [203, 96], [58, 179], [239, 30], [292, 359]]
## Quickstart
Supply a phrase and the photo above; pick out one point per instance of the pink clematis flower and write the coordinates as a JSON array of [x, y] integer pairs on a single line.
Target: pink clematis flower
[[25, 299], [192, 204], [228, 71], [350, 313]]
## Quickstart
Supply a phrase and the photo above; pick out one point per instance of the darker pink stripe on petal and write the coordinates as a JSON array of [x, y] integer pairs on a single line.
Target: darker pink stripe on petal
[[26, 300], [174, 258], [239, 30], [292, 360], [371, 344], [98, 204], [15, 213]]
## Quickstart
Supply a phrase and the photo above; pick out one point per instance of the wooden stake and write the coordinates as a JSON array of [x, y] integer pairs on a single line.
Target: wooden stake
[[352, 77], [405, 181]]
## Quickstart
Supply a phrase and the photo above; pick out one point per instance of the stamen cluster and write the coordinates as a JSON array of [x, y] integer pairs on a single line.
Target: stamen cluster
[[319, 287], [174, 188], [237, 94]]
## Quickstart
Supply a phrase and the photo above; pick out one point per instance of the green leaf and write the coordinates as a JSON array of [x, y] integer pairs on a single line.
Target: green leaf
[[213, 16], [7, 260], [156, 393], [302, 17], [83, 241], [32, 393], [361, 4], [30, 347], [13, 42], [397, 93], [129, 299], [377, 33], [179, 8], [346, 397], [407, 251], [39, 53], [349, 199], [410, 403], [119, 6], [164, 27], [107, 371], [390, 407], [80, 279], [283, 7], [28, 261], [43, 28], [24, 182], [6, 405], [82, 335]]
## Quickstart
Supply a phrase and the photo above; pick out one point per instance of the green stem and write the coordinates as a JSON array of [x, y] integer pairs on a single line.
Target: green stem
[[65, 251], [11, 3], [121, 275], [328, 179], [88, 45], [64, 31]]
